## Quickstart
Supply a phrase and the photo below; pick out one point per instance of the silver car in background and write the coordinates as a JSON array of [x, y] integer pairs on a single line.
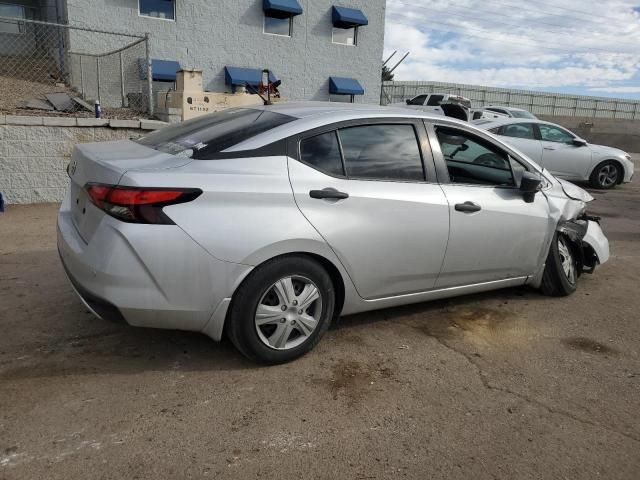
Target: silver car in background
[[266, 223], [562, 152]]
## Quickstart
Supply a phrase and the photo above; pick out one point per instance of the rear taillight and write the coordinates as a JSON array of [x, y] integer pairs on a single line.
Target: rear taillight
[[139, 204]]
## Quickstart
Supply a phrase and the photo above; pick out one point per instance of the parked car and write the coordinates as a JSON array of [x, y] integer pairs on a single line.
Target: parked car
[[510, 111], [266, 223], [564, 153], [454, 106]]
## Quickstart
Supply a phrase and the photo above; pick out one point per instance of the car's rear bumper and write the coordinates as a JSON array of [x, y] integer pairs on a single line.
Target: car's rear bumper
[[147, 275]]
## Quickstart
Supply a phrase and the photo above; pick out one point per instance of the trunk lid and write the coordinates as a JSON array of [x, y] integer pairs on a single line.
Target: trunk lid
[[107, 162]]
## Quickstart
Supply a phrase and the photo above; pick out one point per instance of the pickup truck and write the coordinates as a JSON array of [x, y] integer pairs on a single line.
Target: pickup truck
[[454, 106]]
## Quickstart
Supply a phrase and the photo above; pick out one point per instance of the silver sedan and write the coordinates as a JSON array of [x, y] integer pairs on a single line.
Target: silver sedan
[[266, 223], [562, 152]]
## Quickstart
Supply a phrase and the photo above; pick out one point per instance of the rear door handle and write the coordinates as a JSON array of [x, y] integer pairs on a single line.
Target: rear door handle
[[328, 193], [468, 207]]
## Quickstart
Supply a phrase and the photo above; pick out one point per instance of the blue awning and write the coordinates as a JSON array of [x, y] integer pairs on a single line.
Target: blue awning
[[281, 8], [348, 17], [242, 76], [345, 86], [162, 70]]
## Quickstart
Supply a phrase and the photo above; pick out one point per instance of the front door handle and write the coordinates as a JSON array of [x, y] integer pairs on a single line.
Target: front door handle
[[328, 193], [549, 148], [468, 207]]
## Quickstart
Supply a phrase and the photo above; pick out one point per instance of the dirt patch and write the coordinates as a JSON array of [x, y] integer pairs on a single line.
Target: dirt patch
[[479, 324], [588, 345], [353, 380]]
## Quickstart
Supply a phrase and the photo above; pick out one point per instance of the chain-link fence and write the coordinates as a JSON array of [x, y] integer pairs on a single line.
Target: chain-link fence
[[538, 103], [48, 68]]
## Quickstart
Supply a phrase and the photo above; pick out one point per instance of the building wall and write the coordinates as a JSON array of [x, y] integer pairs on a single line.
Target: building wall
[[210, 35], [35, 152]]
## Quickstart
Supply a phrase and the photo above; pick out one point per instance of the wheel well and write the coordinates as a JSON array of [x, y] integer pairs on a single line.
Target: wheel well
[[332, 270], [617, 163]]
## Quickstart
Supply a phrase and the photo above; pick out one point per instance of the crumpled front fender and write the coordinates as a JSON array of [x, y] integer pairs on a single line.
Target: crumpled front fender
[[591, 246]]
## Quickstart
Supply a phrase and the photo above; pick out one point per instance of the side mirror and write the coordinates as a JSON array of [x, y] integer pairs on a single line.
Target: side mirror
[[408, 101], [529, 186], [579, 142]]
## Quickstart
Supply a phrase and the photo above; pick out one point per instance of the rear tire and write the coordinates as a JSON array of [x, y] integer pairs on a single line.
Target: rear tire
[[560, 275], [282, 310], [606, 175]]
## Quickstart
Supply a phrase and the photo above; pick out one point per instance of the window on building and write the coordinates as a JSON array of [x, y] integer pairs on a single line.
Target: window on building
[[165, 9], [13, 11], [278, 26], [322, 152], [345, 36], [382, 152]]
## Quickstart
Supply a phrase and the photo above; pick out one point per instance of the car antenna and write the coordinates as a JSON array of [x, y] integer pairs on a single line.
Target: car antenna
[[253, 89]]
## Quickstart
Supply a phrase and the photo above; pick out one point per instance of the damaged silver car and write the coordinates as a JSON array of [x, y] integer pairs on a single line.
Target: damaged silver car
[[266, 223]]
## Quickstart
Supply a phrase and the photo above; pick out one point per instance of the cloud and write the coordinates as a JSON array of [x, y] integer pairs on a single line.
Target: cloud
[[583, 43]]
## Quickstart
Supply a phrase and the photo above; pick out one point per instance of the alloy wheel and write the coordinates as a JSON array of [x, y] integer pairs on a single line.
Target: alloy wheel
[[608, 175], [288, 313], [566, 259]]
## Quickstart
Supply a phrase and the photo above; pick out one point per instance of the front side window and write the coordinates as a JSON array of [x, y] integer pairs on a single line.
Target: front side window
[[345, 36], [203, 137], [165, 9], [519, 130], [13, 11], [322, 152], [471, 160], [549, 133], [278, 26], [434, 100], [382, 152]]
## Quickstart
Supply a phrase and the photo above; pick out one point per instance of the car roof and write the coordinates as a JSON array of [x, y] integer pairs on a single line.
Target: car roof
[[487, 124], [310, 115], [310, 109], [506, 108]]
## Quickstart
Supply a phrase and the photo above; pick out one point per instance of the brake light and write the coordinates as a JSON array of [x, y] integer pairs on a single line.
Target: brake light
[[139, 204]]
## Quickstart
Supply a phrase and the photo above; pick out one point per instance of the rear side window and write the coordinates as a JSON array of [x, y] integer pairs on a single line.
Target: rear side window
[[382, 152], [519, 130], [434, 100], [203, 137], [323, 153]]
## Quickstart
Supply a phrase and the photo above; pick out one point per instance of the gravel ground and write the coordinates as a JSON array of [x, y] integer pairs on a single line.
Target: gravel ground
[[506, 385]]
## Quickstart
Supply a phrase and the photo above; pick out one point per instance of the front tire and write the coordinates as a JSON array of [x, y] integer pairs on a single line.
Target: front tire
[[606, 175], [282, 310], [560, 275]]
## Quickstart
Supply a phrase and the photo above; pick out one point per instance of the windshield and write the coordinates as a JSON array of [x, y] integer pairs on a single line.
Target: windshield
[[521, 114], [204, 136]]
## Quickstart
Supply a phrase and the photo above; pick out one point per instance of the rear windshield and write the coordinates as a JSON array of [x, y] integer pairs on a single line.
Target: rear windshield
[[202, 137], [521, 114]]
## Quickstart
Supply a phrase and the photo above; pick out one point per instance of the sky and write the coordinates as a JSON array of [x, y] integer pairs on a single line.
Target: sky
[[584, 47]]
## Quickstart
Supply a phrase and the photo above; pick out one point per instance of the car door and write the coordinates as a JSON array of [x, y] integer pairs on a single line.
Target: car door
[[494, 234], [523, 137], [560, 155], [363, 187]]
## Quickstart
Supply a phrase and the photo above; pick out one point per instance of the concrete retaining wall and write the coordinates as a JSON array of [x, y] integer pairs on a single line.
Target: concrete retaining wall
[[35, 152], [618, 133]]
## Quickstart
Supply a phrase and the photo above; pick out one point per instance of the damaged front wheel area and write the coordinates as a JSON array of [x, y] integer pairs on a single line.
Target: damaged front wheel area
[[561, 271]]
